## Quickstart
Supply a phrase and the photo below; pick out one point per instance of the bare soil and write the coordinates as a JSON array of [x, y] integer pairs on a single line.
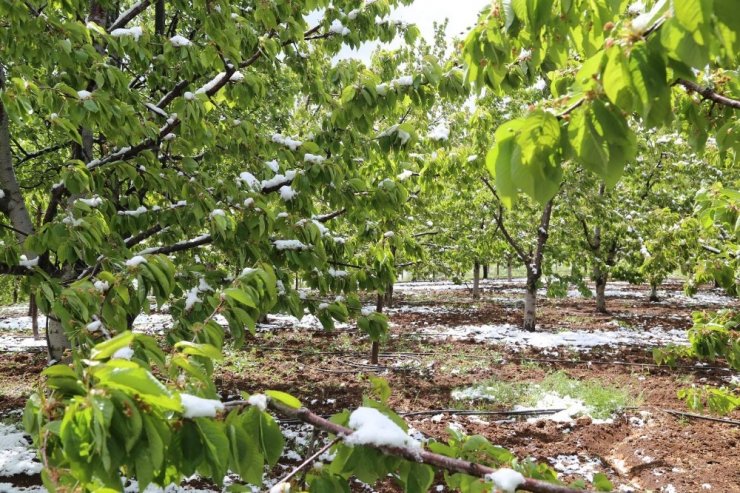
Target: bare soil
[[644, 448]]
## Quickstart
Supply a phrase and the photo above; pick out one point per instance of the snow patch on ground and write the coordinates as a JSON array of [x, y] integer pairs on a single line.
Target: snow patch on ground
[[16, 456], [579, 340], [576, 465]]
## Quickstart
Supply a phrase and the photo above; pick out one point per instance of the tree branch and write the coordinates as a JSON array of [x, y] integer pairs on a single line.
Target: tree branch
[[179, 247], [129, 15], [500, 222], [11, 228], [709, 93], [40, 152], [425, 457], [147, 233], [330, 216], [586, 234], [15, 270]]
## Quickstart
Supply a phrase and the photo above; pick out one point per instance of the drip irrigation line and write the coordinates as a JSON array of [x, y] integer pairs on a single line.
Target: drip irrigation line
[[473, 412], [392, 354], [701, 416]]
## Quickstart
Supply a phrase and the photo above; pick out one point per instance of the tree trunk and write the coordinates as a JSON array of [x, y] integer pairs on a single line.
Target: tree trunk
[[654, 292], [600, 280], [485, 271], [56, 339], [530, 305], [498, 271], [508, 269], [12, 204], [375, 351], [33, 308], [159, 17], [15, 291], [389, 296], [534, 270], [476, 280]]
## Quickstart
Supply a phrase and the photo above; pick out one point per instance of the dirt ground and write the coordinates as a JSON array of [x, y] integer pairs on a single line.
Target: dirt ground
[[644, 448]]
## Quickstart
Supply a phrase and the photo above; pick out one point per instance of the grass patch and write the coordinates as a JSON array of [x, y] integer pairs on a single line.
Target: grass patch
[[602, 399]]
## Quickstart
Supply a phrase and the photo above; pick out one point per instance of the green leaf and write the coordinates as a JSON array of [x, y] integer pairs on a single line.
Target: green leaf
[[416, 478], [601, 140], [121, 375], [59, 371], [246, 459], [601, 482], [216, 447], [285, 398], [205, 350], [263, 426], [240, 296], [616, 79], [106, 349], [693, 16]]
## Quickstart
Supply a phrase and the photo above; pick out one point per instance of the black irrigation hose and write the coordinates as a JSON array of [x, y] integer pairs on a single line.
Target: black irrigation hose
[[472, 412], [701, 416], [392, 354]]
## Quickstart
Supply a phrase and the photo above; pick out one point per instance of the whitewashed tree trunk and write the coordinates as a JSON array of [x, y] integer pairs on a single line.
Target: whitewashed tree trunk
[[12, 203], [56, 339], [530, 306]]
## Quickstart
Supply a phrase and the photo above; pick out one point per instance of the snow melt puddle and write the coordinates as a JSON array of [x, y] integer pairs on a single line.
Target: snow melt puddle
[[580, 340]]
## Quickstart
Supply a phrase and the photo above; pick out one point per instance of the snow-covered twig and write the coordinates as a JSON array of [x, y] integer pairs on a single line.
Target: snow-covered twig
[[128, 15], [310, 460]]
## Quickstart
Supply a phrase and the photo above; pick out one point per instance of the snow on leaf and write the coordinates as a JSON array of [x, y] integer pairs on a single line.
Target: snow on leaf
[[198, 407]]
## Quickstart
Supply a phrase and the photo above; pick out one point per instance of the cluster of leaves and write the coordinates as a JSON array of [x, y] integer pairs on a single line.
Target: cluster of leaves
[[113, 416], [626, 67], [713, 336]]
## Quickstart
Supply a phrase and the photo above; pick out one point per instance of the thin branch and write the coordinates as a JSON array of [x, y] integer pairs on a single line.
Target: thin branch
[[587, 235], [424, 233], [709, 93], [148, 233], [310, 460], [328, 217], [342, 264], [32, 155], [11, 228], [500, 221], [179, 247]]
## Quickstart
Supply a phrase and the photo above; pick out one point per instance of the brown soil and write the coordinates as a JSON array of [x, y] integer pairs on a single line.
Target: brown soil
[[644, 448]]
